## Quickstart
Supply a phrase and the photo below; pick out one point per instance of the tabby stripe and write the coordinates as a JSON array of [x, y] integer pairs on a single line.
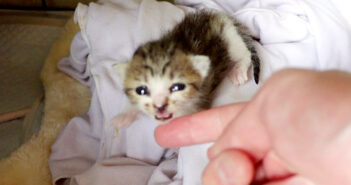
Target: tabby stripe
[[165, 67], [195, 86], [128, 91], [149, 68]]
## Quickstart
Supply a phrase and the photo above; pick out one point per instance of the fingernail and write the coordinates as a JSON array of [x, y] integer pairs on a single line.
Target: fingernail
[[225, 172], [233, 168]]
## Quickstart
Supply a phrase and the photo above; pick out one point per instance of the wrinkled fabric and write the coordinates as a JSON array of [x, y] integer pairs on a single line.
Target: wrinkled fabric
[[110, 32], [301, 33]]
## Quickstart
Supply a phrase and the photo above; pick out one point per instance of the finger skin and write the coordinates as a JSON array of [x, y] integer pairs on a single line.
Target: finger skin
[[232, 167], [306, 116], [274, 167], [294, 180], [312, 119], [198, 128], [245, 132], [276, 120]]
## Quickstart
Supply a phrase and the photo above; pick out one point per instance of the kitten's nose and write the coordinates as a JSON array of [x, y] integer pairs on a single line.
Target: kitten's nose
[[161, 108]]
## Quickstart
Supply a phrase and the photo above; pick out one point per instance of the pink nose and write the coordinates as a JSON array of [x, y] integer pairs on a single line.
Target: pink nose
[[161, 108]]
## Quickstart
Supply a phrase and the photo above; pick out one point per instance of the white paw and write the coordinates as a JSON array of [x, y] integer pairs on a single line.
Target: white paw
[[125, 119], [239, 75]]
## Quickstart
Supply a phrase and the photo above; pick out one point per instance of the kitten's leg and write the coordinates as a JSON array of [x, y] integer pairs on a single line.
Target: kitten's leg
[[237, 50], [126, 118], [238, 75]]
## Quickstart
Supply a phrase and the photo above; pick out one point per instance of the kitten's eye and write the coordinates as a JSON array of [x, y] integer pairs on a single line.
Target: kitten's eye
[[177, 87], [142, 90]]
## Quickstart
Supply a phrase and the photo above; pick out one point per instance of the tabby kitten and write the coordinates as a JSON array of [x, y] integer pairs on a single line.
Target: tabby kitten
[[178, 74]]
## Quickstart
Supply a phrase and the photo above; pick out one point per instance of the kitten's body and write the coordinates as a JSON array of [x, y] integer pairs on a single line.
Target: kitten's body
[[178, 74]]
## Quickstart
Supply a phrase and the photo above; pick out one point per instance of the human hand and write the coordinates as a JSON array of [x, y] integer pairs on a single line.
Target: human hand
[[296, 130]]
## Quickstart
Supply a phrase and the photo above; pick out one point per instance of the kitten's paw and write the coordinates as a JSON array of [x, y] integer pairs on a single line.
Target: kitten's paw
[[239, 75], [125, 119]]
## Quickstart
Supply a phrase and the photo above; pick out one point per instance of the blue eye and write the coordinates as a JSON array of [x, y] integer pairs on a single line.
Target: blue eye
[[177, 87], [142, 90]]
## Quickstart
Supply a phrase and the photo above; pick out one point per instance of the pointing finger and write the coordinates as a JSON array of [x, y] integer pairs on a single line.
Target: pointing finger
[[246, 132], [198, 128]]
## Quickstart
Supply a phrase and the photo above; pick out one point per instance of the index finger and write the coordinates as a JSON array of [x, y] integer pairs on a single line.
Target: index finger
[[198, 128]]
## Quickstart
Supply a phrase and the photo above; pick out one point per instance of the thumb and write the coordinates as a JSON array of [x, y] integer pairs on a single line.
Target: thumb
[[231, 167]]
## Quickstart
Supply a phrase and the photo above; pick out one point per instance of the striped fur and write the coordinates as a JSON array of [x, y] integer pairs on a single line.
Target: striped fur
[[199, 52]]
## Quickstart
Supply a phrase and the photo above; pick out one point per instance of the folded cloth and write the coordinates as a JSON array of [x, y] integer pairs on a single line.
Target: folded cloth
[[110, 32], [301, 33]]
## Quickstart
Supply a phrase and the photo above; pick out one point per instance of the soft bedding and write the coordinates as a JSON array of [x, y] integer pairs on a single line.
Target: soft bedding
[[301, 33]]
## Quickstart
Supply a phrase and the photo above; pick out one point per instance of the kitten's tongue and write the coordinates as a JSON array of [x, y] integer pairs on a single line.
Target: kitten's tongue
[[163, 116]]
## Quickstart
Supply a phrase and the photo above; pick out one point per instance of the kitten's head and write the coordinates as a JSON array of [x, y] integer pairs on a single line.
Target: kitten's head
[[164, 85]]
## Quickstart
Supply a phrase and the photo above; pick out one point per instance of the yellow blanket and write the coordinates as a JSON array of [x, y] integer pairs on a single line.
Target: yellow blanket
[[64, 99]]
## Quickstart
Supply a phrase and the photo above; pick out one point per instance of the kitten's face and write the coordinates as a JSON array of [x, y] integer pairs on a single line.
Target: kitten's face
[[164, 87]]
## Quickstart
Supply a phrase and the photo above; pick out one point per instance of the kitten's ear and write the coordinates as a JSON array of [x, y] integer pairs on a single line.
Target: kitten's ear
[[201, 63], [120, 70]]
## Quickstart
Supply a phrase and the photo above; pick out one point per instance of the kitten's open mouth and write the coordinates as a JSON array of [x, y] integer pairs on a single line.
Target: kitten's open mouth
[[163, 116]]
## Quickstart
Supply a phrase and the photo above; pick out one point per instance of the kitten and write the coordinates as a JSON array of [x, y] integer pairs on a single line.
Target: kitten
[[178, 74]]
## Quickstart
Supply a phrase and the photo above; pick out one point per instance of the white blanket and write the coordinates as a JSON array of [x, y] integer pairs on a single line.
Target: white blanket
[[299, 33]]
